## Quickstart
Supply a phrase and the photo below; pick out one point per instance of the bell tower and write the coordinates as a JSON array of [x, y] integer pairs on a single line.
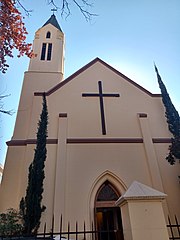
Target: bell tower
[[46, 69], [48, 48]]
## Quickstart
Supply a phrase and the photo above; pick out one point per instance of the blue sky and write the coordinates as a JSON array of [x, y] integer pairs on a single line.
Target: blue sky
[[129, 35]]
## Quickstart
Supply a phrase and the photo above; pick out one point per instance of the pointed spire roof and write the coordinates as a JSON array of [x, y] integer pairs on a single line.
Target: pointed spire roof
[[52, 20], [139, 190]]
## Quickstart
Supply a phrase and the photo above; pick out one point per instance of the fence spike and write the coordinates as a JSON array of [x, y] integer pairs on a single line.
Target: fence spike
[[92, 229], [68, 229], [60, 227], [44, 233], [84, 231], [76, 230], [177, 224], [170, 226], [52, 227]]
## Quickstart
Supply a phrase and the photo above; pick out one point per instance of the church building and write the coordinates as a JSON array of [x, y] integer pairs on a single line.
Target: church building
[[105, 133]]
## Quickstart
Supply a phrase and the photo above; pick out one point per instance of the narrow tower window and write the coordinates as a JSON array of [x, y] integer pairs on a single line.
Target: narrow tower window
[[46, 51], [43, 52], [49, 51], [48, 35]]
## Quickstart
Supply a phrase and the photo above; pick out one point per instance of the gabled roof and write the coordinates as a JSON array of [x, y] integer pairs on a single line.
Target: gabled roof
[[52, 20], [140, 191], [61, 84]]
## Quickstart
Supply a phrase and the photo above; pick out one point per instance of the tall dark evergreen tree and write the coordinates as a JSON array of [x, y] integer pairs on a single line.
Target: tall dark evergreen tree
[[173, 121], [31, 206]]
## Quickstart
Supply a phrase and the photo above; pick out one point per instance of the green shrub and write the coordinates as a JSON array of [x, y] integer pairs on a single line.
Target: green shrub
[[10, 223]]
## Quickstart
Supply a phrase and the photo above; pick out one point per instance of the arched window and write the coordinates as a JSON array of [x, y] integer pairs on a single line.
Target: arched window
[[43, 51], [48, 35], [49, 51], [46, 51], [107, 193]]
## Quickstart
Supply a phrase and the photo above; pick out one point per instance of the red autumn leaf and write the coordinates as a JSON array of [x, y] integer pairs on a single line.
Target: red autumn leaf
[[12, 33]]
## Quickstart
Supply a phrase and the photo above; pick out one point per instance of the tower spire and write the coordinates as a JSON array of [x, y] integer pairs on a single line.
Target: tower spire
[[52, 20], [48, 48]]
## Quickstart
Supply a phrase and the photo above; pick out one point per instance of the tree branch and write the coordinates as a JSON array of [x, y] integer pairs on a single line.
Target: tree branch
[[82, 5], [9, 112], [88, 15], [27, 12]]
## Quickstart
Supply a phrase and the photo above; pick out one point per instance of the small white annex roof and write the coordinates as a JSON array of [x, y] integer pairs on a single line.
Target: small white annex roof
[[140, 191]]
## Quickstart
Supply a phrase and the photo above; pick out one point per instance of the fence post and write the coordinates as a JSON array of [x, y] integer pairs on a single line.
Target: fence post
[[170, 226], [76, 230], [92, 228], [68, 230], [84, 231], [60, 227], [142, 213], [44, 232], [178, 226], [52, 227]]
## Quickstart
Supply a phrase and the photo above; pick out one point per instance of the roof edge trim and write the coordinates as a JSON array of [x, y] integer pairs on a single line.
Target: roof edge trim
[[61, 84]]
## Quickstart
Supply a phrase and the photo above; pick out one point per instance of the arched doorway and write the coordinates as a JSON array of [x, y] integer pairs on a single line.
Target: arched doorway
[[107, 215]]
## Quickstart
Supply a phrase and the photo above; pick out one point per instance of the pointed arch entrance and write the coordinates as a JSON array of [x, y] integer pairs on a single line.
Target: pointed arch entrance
[[107, 214]]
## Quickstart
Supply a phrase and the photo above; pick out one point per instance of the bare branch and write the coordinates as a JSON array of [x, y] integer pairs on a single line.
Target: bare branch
[[51, 2], [4, 96], [82, 5], [65, 5], [88, 16], [9, 112], [27, 12]]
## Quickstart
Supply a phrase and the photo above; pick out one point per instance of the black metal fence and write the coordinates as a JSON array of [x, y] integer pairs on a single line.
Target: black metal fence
[[174, 229], [76, 234], [92, 234]]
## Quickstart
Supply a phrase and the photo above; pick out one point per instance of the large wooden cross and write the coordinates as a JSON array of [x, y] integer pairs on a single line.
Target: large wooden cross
[[101, 96]]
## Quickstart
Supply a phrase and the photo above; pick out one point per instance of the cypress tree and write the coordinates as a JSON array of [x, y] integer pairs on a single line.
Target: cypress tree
[[173, 121], [30, 206]]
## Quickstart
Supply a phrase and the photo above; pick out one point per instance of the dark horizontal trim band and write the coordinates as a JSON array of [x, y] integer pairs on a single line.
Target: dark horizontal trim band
[[114, 140], [39, 94], [88, 141], [63, 115], [104, 140], [161, 140], [103, 94], [28, 141], [142, 115]]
